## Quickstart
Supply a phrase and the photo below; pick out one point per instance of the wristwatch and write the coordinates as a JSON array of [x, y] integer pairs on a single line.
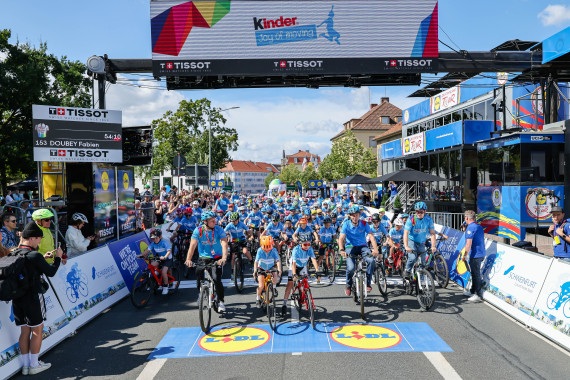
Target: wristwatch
[[564, 236]]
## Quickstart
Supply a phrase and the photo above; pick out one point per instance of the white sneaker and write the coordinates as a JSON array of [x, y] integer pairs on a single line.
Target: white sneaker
[[474, 298], [467, 293], [40, 368], [221, 307], [25, 370], [165, 290]]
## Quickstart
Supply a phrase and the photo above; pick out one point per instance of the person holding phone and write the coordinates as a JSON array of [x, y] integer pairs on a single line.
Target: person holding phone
[[76, 242]]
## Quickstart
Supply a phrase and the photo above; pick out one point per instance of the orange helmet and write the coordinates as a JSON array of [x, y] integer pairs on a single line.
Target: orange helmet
[[303, 220], [267, 243]]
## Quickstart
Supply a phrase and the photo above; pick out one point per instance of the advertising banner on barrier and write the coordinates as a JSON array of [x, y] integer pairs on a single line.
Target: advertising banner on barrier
[[88, 284], [551, 313], [126, 198], [125, 252], [450, 249], [105, 203]]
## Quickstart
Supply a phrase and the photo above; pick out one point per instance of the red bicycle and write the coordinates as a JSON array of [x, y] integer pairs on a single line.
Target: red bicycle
[[399, 263], [303, 298], [147, 282]]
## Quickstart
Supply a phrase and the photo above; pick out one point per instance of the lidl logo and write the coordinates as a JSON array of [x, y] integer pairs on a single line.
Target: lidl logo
[[126, 181], [406, 145], [540, 199], [461, 266], [366, 337], [437, 103], [105, 181], [234, 339]]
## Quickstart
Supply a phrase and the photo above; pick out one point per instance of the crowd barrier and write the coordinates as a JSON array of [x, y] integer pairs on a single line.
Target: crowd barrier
[[80, 290]]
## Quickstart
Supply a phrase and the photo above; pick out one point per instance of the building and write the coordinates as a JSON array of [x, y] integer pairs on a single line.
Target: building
[[380, 118], [247, 176], [299, 158], [391, 134]]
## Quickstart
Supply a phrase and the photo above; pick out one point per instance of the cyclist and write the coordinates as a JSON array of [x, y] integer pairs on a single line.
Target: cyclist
[[352, 241], [242, 213], [265, 259], [186, 224], [220, 218], [294, 216], [288, 229], [176, 220], [304, 229], [222, 203], [196, 210], [159, 249], [416, 231], [212, 244], [237, 231], [395, 236], [379, 231], [73, 278], [384, 220], [274, 229], [326, 237], [299, 259]]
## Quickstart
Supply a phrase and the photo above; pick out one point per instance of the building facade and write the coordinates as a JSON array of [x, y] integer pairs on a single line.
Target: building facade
[[247, 176], [301, 158]]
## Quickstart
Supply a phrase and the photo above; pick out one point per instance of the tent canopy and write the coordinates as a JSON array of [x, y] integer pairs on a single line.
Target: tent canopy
[[408, 175], [356, 179], [30, 183]]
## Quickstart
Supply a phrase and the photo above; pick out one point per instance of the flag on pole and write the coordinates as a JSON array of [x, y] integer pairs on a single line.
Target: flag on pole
[[305, 162]]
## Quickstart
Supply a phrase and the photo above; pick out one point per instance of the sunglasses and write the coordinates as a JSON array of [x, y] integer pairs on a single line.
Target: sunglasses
[[12, 221], [46, 220], [420, 212], [306, 244]]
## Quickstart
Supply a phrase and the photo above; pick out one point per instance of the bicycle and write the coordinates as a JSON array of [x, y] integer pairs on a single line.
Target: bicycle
[[180, 248], [359, 281], [398, 263], [302, 296], [269, 296], [422, 283], [329, 265], [254, 243], [235, 249], [149, 280], [74, 290], [554, 301], [436, 263], [208, 298], [380, 276]]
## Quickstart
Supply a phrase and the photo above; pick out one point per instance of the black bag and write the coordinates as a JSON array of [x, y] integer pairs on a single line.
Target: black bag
[[15, 278]]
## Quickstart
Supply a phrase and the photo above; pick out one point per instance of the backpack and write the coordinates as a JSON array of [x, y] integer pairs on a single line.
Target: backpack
[[15, 277]]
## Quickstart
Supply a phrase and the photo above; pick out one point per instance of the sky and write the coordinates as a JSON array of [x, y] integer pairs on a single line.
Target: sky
[[268, 121]]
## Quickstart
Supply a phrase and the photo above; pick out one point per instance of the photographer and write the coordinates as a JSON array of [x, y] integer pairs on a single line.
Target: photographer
[[28, 309]]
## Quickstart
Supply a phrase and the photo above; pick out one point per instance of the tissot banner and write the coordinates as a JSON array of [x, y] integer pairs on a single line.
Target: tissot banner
[[293, 37]]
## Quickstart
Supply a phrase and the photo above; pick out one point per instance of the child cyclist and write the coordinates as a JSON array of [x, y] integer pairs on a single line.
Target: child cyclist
[[395, 236], [299, 259], [326, 237], [238, 231], [159, 249], [379, 232], [266, 258]]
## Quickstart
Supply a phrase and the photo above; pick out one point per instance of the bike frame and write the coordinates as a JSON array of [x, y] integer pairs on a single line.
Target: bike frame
[[299, 287], [359, 270], [151, 268]]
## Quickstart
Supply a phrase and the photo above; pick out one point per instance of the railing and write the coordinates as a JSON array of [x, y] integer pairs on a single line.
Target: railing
[[448, 219], [412, 195], [533, 102]]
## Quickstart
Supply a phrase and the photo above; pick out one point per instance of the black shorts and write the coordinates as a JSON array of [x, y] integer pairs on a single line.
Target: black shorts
[[28, 310], [297, 272]]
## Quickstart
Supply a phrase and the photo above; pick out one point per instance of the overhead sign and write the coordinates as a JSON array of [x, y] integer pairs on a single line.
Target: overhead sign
[[77, 134], [191, 38], [444, 100], [414, 144], [216, 183], [316, 183]]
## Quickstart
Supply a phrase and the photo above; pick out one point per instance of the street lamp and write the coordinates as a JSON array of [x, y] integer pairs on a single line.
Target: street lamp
[[210, 142]]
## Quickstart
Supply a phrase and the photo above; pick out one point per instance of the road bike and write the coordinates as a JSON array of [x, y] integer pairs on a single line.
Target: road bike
[[208, 298], [238, 267], [421, 282], [269, 296], [555, 301], [149, 280], [398, 264], [359, 281], [302, 297], [435, 263], [76, 288], [329, 261]]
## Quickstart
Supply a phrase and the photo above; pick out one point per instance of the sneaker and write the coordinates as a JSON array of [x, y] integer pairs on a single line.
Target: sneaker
[[467, 293], [347, 291], [221, 307], [407, 274], [25, 370], [258, 303], [165, 290], [369, 289], [284, 310], [474, 298], [40, 368]]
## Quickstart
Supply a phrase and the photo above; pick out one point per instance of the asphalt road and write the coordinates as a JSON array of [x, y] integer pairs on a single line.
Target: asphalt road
[[486, 344]]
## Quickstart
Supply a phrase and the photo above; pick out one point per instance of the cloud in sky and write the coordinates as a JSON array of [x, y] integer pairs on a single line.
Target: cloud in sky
[[554, 15]]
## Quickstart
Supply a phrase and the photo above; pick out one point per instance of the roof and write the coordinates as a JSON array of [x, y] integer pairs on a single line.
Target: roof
[[301, 154], [372, 120], [249, 166], [392, 131]]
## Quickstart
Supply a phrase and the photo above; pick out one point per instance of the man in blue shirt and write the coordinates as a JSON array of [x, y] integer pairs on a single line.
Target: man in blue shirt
[[475, 250], [236, 231], [560, 232], [352, 241], [212, 244], [416, 231], [222, 203]]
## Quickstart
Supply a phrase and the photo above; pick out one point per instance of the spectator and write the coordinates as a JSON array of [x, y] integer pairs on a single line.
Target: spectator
[[43, 218], [158, 213], [559, 232], [138, 216], [9, 238], [163, 194], [34, 207], [29, 310], [137, 194], [8, 198], [171, 213], [475, 250], [76, 242], [146, 191], [393, 190]]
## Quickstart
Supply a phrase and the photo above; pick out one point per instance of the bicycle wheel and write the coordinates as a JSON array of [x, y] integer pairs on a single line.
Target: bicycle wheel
[[361, 295], [174, 279], [270, 301], [82, 288], [552, 300], [296, 299], [310, 307], [425, 289], [238, 274], [440, 271], [141, 290], [331, 265], [204, 310], [380, 278]]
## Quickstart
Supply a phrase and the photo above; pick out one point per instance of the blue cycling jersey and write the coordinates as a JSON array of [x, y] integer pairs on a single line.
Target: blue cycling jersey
[[209, 242], [326, 234], [378, 232], [187, 224], [266, 260], [396, 235], [274, 230], [307, 231], [237, 231], [301, 257], [419, 228], [159, 249], [255, 218], [289, 232]]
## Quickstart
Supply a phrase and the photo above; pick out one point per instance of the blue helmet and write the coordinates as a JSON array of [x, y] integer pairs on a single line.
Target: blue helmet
[[288, 218], [304, 238], [307, 212], [207, 215], [327, 219], [420, 206], [354, 210]]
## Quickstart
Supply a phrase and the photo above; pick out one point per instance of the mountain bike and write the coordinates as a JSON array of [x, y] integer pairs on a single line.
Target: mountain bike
[[329, 261], [398, 262], [238, 269], [208, 299], [269, 296], [436, 264], [302, 297], [359, 281], [149, 280], [421, 282]]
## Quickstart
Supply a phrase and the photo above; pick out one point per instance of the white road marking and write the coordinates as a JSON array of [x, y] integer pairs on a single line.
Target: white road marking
[[151, 369], [189, 284], [297, 353], [442, 365]]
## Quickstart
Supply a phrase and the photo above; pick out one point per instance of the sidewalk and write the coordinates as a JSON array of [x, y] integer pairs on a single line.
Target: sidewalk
[[544, 243]]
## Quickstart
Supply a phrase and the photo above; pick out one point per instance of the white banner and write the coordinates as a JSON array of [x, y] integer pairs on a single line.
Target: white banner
[[444, 100], [77, 114], [77, 155], [414, 143]]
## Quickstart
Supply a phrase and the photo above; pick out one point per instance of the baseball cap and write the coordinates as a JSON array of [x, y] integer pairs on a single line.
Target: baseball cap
[[556, 209]]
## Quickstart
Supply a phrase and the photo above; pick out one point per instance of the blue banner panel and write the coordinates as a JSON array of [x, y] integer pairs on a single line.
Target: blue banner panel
[[125, 253], [451, 249], [446, 136], [476, 130], [391, 149], [499, 211], [556, 45], [295, 337], [105, 203]]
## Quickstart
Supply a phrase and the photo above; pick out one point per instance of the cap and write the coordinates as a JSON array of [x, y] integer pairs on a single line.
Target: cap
[[556, 209], [32, 230], [382, 209]]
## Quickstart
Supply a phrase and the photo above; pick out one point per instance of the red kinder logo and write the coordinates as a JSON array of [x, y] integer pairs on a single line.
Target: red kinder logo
[[169, 65], [61, 153], [61, 111]]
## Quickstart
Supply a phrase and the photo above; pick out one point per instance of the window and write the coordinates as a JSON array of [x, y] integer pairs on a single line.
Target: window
[[479, 111], [447, 119], [385, 119], [468, 114], [371, 142], [489, 110], [456, 116]]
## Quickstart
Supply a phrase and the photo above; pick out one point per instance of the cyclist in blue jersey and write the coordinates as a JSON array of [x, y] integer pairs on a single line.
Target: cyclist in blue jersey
[[326, 235], [222, 203], [395, 236], [196, 210], [265, 259], [384, 220], [231, 209], [159, 249], [378, 231], [220, 218], [299, 260], [242, 213], [274, 229], [416, 231], [334, 222], [271, 205], [254, 220], [237, 232], [212, 243], [176, 220], [288, 229], [352, 241], [294, 216], [304, 230]]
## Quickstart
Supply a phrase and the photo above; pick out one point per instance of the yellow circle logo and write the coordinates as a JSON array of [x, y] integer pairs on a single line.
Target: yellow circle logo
[[213, 183], [437, 103], [319, 184], [105, 181], [461, 267], [143, 246], [234, 339], [125, 181], [366, 337], [540, 199], [407, 145]]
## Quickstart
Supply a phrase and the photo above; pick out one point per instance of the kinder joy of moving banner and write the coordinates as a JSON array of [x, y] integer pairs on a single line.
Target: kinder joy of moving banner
[[105, 203], [126, 197], [274, 37], [125, 252]]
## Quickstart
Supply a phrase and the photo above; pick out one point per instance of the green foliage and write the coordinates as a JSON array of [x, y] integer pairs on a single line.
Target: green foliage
[[308, 174], [185, 131], [397, 202], [347, 157], [290, 174], [385, 198], [270, 177], [29, 75]]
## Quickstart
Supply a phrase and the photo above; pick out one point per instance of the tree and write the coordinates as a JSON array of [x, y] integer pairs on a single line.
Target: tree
[[308, 174], [270, 177], [290, 174], [185, 131], [30, 75], [347, 157]]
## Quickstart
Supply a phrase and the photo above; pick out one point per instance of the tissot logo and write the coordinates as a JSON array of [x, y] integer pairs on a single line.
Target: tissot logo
[[426, 63], [197, 65], [77, 112], [61, 153], [298, 64]]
